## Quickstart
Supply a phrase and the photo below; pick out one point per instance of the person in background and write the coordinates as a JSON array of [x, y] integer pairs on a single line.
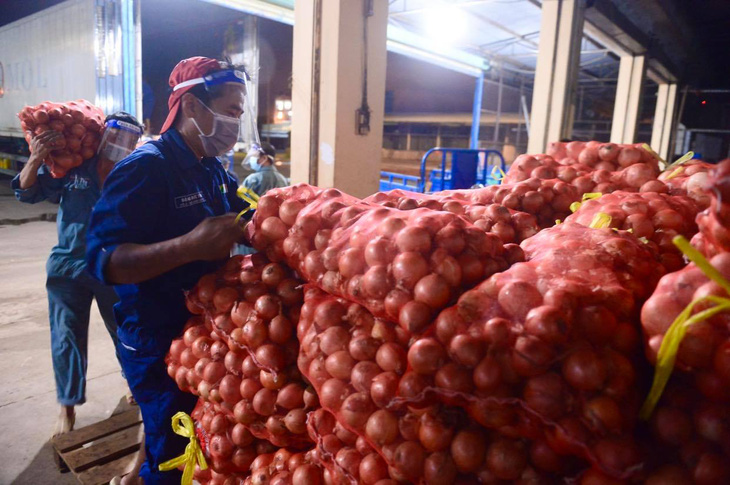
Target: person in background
[[70, 288], [265, 176], [166, 217]]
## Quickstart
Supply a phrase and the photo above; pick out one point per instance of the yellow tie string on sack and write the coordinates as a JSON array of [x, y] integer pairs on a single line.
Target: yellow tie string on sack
[[663, 162], [182, 424], [249, 196], [667, 355], [498, 174], [679, 163], [600, 221], [587, 196]]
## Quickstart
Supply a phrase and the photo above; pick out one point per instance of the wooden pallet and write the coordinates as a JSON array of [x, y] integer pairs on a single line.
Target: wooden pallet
[[97, 453]]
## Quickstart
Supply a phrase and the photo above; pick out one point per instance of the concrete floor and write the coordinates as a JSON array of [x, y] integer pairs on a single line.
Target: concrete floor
[[28, 407]]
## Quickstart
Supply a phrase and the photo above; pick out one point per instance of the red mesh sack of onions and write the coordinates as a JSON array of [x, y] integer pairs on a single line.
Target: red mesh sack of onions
[[544, 349], [656, 217], [436, 445], [240, 353], [81, 124], [234, 456], [509, 225], [357, 364], [704, 350], [690, 437], [689, 179], [547, 200], [402, 265], [228, 446], [714, 222], [606, 156]]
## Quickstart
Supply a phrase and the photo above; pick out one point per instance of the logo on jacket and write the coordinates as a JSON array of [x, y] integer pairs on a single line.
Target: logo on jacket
[[189, 200]]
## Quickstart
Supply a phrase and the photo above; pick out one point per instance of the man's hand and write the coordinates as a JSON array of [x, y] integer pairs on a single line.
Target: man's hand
[[41, 145], [212, 239]]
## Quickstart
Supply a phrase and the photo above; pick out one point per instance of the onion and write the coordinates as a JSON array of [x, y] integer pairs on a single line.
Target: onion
[[372, 469], [426, 356], [439, 468], [392, 357], [506, 459], [332, 394], [339, 364], [296, 421], [408, 459], [291, 396], [264, 402], [356, 410], [334, 339], [468, 450], [382, 427], [384, 388], [433, 434], [224, 298]]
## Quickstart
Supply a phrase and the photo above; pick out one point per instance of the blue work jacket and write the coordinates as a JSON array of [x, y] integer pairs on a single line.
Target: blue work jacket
[[76, 193], [159, 192]]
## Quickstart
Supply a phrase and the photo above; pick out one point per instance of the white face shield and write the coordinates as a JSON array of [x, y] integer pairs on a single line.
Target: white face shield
[[120, 138]]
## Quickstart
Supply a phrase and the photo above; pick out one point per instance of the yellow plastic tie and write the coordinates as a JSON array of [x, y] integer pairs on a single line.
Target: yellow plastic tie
[[249, 196], [498, 173], [663, 162], [679, 163], [182, 424], [558, 221], [587, 196], [237, 220], [667, 355], [600, 221]]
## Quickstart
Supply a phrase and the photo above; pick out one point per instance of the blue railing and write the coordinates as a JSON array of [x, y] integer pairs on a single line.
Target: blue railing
[[460, 168], [392, 181]]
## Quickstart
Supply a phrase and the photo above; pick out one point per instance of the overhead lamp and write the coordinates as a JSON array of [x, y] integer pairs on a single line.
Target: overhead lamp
[[445, 23]]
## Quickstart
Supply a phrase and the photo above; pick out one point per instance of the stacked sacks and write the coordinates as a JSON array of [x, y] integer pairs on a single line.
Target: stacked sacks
[[239, 352], [509, 225], [402, 265], [80, 123], [686, 327]]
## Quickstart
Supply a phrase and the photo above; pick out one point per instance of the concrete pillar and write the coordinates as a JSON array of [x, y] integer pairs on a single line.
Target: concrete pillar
[[661, 132], [327, 81], [556, 73], [627, 106]]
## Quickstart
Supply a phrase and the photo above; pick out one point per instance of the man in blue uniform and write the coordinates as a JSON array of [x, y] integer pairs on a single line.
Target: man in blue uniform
[[70, 288], [166, 218]]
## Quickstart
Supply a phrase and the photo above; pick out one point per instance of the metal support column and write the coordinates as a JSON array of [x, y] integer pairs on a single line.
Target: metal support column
[[628, 99], [251, 59], [556, 73], [664, 119], [476, 112]]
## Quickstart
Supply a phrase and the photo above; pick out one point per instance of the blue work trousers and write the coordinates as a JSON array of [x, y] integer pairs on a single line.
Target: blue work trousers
[[69, 306], [159, 399]]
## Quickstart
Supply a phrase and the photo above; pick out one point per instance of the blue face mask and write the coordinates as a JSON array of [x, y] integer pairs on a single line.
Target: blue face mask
[[253, 162]]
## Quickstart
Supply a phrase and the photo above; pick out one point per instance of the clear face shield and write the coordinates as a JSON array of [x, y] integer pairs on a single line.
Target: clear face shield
[[119, 140], [247, 131]]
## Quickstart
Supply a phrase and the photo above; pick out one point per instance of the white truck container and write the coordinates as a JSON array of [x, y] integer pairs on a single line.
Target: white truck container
[[77, 49]]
